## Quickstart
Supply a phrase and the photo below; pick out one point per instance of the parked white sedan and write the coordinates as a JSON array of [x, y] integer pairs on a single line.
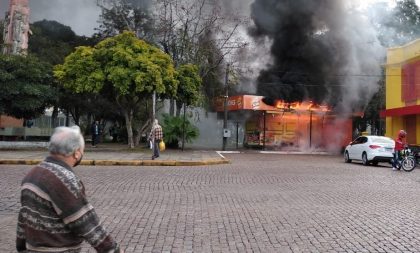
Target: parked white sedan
[[370, 149]]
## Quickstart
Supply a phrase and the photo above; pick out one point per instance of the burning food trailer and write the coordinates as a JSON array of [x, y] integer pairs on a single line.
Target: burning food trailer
[[299, 125]]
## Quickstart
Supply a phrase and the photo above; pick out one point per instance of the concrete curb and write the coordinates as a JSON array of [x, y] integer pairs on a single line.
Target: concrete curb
[[295, 152], [123, 162]]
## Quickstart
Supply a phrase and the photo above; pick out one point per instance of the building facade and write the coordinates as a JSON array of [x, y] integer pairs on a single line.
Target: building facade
[[15, 37], [403, 91]]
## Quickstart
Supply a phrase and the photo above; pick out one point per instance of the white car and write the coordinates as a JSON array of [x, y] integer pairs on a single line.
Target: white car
[[370, 149]]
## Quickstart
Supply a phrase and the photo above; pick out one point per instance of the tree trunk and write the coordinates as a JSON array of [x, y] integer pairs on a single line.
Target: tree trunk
[[67, 118], [54, 117], [76, 116], [183, 128], [178, 108], [89, 118], [172, 107], [140, 131], [128, 115], [137, 138]]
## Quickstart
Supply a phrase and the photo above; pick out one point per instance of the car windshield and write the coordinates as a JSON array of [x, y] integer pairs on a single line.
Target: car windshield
[[382, 140]]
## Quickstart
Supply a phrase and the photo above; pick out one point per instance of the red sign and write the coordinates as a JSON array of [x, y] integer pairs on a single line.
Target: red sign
[[244, 102]]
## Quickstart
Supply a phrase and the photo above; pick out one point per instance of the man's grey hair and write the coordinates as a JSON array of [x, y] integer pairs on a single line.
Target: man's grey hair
[[66, 140]]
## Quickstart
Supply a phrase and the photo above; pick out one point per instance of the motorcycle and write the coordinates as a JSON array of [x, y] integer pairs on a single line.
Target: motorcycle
[[407, 160], [417, 158]]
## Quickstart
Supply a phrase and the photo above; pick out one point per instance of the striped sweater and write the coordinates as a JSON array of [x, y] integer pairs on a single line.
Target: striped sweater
[[55, 215]]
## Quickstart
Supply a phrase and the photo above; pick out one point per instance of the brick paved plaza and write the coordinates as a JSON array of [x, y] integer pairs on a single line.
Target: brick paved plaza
[[258, 203]]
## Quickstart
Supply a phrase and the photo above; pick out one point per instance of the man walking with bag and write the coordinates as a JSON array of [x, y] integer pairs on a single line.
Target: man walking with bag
[[156, 136]]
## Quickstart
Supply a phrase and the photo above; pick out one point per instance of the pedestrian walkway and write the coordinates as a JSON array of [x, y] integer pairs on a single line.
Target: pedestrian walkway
[[117, 154]]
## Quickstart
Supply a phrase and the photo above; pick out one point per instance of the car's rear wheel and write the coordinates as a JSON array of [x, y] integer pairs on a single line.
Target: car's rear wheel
[[346, 157], [365, 160], [375, 163]]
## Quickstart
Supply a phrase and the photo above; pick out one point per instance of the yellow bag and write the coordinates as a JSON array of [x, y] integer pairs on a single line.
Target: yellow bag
[[162, 146]]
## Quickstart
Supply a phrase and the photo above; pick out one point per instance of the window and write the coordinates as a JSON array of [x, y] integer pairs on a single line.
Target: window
[[410, 82]]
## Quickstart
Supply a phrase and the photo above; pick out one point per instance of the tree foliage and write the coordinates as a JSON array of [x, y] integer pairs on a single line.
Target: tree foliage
[[125, 68], [399, 25], [25, 86], [200, 33], [405, 20], [189, 86], [395, 27], [191, 32], [125, 15], [51, 42]]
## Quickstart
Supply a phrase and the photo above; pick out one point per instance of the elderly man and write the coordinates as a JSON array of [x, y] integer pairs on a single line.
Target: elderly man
[[55, 215], [156, 136]]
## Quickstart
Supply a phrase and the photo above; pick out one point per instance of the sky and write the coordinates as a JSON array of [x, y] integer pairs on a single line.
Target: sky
[[366, 3], [82, 15]]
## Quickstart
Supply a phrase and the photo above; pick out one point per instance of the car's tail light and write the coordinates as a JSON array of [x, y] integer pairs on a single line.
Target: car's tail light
[[374, 146]]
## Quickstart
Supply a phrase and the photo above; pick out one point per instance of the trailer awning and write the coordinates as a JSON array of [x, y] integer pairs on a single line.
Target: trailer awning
[[256, 103], [243, 102]]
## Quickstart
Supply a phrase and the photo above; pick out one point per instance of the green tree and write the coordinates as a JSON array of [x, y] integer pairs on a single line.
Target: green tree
[[189, 87], [405, 20], [396, 26], [126, 68], [122, 15], [51, 42], [188, 90], [200, 32], [373, 109], [25, 86]]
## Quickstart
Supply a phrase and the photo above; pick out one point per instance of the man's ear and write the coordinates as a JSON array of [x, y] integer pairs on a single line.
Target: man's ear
[[77, 156]]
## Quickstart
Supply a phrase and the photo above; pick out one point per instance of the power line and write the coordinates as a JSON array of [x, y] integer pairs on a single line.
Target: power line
[[338, 75], [309, 85]]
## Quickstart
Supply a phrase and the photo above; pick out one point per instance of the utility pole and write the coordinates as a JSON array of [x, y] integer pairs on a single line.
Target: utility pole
[[153, 119], [225, 107], [310, 128], [265, 127], [183, 127], [154, 106]]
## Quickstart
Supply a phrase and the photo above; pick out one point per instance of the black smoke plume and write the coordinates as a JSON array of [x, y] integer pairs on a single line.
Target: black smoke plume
[[320, 49]]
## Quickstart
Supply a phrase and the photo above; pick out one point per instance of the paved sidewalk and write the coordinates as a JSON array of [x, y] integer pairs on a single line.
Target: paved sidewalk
[[114, 154]]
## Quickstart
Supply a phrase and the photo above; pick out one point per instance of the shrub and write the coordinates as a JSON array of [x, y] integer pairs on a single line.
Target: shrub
[[172, 130]]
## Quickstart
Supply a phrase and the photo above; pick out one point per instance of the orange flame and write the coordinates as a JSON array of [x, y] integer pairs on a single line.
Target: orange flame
[[302, 106]]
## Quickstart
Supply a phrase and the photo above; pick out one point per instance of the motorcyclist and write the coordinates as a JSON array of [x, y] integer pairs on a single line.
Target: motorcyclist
[[400, 144]]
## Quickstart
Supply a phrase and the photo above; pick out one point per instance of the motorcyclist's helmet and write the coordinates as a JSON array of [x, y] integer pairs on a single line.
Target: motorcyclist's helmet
[[402, 133]]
